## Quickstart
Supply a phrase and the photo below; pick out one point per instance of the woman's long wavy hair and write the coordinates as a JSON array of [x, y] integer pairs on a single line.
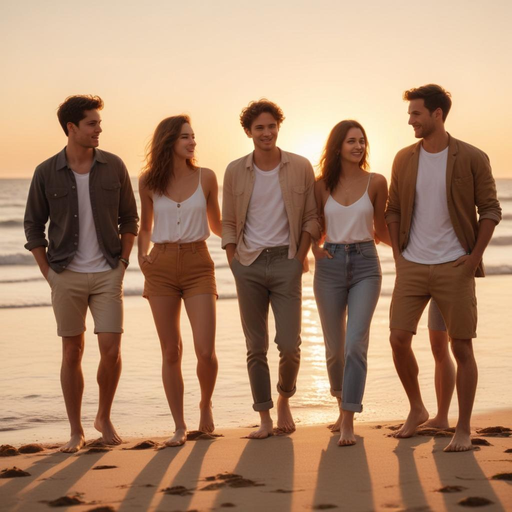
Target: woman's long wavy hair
[[330, 163], [159, 168]]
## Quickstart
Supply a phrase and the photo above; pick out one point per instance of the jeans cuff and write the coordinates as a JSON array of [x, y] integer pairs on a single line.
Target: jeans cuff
[[263, 406], [345, 406], [286, 394]]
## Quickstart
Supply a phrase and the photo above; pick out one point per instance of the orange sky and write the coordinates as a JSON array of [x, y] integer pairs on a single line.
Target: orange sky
[[210, 58]]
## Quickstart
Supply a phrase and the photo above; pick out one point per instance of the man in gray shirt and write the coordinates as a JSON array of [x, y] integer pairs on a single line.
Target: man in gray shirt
[[87, 196]]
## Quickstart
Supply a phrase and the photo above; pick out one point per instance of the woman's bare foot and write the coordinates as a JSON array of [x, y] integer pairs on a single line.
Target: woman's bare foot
[[335, 427], [440, 423], [76, 442], [284, 415], [206, 419], [347, 437], [266, 429], [461, 442], [178, 439], [414, 420], [107, 430]]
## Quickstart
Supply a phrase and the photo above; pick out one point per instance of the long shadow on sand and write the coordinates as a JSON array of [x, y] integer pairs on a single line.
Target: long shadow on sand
[[146, 484], [187, 476], [258, 463], [409, 481], [462, 469], [344, 477], [60, 482]]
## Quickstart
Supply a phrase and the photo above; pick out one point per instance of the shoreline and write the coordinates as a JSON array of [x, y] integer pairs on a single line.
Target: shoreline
[[302, 471]]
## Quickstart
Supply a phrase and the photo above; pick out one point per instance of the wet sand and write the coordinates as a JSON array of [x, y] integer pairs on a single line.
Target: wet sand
[[302, 471]]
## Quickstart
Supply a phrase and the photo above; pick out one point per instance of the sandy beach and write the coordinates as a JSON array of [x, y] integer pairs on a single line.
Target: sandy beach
[[303, 471]]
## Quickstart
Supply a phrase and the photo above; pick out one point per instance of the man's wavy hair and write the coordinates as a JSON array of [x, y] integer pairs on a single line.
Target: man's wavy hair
[[330, 163], [255, 108], [434, 97], [159, 168], [74, 107]]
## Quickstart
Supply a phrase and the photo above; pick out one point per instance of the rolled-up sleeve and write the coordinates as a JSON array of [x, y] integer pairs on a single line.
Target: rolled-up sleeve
[[36, 213], [486, 197], [128, 217], [228, 210], [310, 222], [393, 212]]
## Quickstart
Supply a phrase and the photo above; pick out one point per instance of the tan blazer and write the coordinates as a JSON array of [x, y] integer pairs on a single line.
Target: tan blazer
[[297, 180], [470, 190]]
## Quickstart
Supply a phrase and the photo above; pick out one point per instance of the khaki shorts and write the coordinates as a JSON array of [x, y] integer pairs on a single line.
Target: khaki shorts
[[73, 292], [179, 270], [453, 289]]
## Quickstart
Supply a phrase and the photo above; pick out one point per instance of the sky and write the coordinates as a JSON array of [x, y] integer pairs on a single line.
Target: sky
[[321, 61]]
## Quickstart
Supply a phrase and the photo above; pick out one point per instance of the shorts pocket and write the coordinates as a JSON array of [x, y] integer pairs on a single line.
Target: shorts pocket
[[369, 252]]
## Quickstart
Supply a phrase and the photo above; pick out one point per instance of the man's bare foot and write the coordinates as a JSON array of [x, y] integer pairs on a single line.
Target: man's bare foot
[[266, 429], [414, 420], [178, 439], [108, 432], [461, 442], [76, 442], [206, 419], [347, 437], [284, 415], [440, 423]]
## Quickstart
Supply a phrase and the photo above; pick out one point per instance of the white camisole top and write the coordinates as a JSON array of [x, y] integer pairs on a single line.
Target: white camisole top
[[349, 224], [183, 222]]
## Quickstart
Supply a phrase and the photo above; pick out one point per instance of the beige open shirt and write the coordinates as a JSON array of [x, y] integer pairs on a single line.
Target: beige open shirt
[[297, 180]]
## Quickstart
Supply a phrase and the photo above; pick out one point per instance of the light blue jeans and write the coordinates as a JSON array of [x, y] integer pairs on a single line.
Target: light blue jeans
[[347, 289]]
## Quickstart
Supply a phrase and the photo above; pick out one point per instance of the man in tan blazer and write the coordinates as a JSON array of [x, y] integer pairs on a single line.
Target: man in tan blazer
[[441, 214]]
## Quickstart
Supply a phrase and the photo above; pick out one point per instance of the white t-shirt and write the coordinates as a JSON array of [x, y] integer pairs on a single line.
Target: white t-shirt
[[88, 258], [432, 239], [267, 222]]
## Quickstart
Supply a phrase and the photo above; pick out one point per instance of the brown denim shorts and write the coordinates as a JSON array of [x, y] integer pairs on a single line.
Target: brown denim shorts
[[179, 270], [452, 288]]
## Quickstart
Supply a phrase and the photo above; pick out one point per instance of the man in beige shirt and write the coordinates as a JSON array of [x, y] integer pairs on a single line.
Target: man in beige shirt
[[268, 219]]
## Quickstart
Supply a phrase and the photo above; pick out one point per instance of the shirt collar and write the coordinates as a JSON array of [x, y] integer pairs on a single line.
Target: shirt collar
[[62, 162], [249, 162]]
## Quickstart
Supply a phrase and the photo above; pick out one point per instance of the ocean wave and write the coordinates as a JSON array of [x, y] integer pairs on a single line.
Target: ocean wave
[[20, 258], [11, 223], [501, 240]]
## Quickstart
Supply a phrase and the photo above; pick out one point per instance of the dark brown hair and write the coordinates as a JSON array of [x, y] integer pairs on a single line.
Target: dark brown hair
[[434, 97], [159, 167], [255, 108], [330, 163], [74, 107]]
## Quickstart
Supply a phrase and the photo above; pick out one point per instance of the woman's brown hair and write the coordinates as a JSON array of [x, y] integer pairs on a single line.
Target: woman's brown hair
[[330, 162], [159, 168]]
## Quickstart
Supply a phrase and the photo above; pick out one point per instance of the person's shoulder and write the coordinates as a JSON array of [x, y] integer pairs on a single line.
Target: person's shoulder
[[378, 179], [48, 164], [469, 149], [296, 159], [109, 158], [208, 175], [407, 151], [238, 164]]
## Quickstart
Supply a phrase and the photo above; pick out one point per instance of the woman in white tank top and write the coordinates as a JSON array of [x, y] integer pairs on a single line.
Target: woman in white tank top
[[347, 281], [179, 204]]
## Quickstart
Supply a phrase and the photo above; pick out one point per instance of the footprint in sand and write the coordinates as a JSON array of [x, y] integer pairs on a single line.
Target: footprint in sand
[[96, 450], [478, 441], [66, 501], [6, 450], [503, 476], [197, 435], [452, 488], [494, 431], [475, 501], [31, 448], [104, 467], [13, 473], [103, 508], [143, 445], [229, 480], [324, 506], [178, 490]]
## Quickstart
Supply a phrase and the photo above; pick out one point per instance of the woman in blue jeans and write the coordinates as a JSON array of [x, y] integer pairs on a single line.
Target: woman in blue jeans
[[347, 283]]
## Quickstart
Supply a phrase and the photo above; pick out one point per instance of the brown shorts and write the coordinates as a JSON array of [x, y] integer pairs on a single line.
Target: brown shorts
[[453, 289], [179, 270], [74, 292]]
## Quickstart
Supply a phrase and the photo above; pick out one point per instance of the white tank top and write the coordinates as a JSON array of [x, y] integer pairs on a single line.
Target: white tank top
[[349, 224], [180, 222]]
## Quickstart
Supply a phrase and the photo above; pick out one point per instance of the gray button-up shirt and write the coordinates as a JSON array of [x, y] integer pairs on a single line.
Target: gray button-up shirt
[[53, 195]]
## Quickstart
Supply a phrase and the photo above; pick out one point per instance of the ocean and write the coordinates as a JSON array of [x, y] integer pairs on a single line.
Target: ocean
[[31, 406]]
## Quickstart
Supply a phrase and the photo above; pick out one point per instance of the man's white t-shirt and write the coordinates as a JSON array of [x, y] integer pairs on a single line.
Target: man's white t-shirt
[[432, 239], [267, 222], [88, 258]]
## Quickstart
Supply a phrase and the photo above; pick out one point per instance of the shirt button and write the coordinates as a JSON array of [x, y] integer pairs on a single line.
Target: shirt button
[[76, 215], [178, 222], [179, 205], [76, 243], [76, 234], [54, 195], [73, 186]]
